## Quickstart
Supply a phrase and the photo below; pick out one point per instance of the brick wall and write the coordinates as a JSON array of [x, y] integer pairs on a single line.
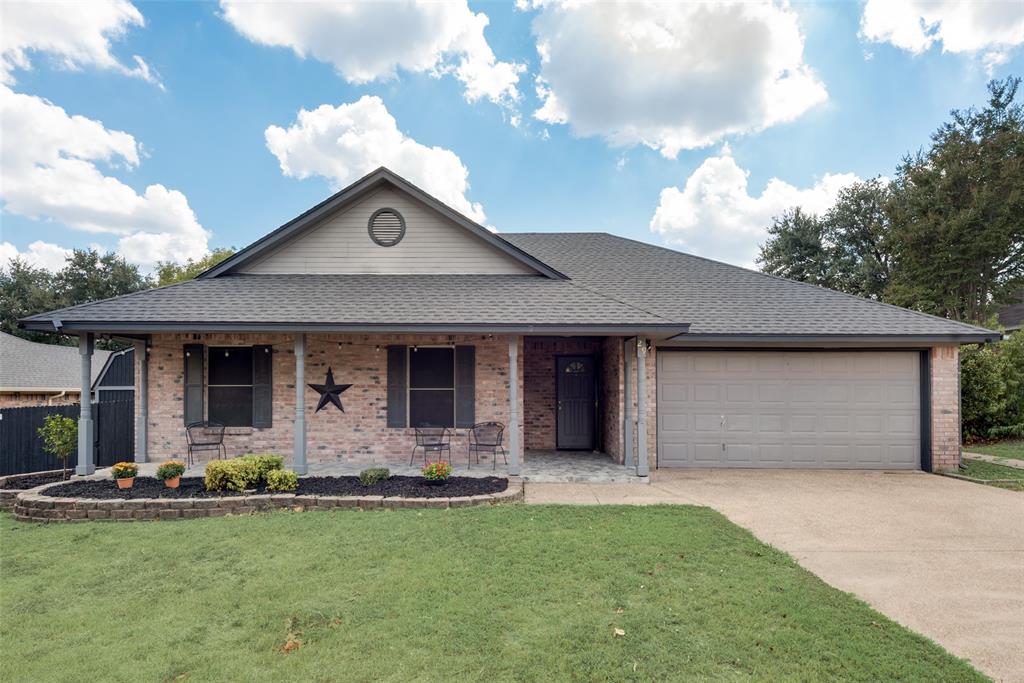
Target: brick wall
[[18, 399], [945, 380], [539, 383], [359, 434], [612, 397]]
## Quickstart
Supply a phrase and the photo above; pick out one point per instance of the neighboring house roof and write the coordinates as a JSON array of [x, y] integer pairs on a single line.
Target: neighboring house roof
[[30, 366], [1012, 317], [586, 283]]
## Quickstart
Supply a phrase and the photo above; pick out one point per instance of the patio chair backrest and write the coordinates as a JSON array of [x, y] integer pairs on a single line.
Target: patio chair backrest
[[205, 433], [432, 436], [487, 433]]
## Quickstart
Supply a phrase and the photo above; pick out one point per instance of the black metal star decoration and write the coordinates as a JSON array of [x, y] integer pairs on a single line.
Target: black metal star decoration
[[329, 392]]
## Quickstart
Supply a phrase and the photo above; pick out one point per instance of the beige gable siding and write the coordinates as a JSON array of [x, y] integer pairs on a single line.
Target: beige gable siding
[[432, 244]]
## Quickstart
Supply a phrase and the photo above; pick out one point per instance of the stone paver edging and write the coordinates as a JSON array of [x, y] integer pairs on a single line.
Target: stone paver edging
[[8, 496], [33, 506]]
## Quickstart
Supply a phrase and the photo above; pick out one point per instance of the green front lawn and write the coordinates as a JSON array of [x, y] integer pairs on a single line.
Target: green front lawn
[[510, 593], [1011, 448], [979, 469]]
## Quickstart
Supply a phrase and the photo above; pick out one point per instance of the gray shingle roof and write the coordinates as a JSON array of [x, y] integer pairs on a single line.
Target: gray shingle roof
[[1012, 316], [717, 298], [613, 281], [31, 365], [366, 299]]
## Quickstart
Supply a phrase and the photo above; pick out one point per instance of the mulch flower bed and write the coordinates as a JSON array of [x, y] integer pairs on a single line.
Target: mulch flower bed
[[192, 487], [31, 482]]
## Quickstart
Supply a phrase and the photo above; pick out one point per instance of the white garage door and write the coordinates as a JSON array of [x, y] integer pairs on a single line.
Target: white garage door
[[843, 410]]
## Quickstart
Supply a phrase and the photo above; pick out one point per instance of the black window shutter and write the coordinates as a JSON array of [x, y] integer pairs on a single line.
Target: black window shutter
[[193, 354], [465, 386], [397, 393], [262, 386]]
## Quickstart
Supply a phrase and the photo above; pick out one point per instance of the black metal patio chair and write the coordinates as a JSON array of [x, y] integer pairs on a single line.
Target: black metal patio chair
[[437, 439], [488, 437], [205, 436]]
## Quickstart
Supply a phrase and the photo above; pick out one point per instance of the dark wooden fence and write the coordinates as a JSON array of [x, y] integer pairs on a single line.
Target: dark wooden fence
[[21, 448]]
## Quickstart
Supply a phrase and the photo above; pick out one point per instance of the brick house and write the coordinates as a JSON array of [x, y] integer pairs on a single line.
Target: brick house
[[34, 374], [578, 342]]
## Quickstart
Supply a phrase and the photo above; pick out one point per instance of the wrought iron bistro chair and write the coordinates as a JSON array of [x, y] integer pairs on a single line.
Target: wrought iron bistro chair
[[205, 436], [489, 437], [438, 439]]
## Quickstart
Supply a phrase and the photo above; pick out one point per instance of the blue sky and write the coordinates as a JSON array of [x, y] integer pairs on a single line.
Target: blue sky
[[867, 92]]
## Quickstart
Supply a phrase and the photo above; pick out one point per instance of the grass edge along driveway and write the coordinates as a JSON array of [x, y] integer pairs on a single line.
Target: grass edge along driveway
[[505, 593]]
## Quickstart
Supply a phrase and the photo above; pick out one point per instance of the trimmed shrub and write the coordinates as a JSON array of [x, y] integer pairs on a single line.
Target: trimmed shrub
[[371, 476], [282, 480], [264, 463], [228, 475], [241, 473]]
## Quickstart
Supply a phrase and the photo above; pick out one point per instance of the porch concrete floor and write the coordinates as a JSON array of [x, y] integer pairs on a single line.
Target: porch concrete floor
[[538, 466]]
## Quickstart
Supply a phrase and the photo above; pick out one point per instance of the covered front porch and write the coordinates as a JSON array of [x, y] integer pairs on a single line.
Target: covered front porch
[[567, 402]]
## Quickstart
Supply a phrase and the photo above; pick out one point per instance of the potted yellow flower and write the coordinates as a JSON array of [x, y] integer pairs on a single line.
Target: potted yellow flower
[[170, 473], [124, 473]]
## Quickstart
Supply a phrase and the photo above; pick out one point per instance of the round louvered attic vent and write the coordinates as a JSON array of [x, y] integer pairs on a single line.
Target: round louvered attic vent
[[386, 227]]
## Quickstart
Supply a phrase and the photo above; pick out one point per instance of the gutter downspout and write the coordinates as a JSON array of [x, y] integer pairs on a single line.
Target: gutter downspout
[[50, 399]]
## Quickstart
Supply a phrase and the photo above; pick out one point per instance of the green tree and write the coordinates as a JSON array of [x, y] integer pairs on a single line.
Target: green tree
[[957, 238], [60, 438], [88, 276], [857, 228], [797, 249], [24, 291], [168, 272]]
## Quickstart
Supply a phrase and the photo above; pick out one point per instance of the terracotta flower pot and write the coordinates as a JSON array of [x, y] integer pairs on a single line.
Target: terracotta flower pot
[[173, 482], [125, 482]]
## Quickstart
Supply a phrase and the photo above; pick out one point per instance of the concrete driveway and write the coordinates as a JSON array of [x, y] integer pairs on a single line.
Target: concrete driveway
[[940, 556]]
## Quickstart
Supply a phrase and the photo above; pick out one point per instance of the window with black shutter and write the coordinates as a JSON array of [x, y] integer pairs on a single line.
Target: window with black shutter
[[230, 385], [432, 387]]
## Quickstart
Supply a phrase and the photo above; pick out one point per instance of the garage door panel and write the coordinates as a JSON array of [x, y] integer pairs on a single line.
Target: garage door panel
[[789, 409]]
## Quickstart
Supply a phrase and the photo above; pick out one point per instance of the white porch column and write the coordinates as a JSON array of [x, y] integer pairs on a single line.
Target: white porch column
[[299, 450], [142, 400], [513, 407], [85, 461], [642, 466], [627, 408]]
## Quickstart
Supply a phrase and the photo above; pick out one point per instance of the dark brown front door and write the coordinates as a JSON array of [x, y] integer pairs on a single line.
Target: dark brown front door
[[575, 407]]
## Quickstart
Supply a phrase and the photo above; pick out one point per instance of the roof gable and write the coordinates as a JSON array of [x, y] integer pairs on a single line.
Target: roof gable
[[332, 238]]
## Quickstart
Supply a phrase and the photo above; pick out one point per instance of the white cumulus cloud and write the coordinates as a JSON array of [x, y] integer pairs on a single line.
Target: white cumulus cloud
[[49, 169], [671, 76], [988, 29], [346, 142], [715, 215], [75, 34], [38, 255], [370, 41]]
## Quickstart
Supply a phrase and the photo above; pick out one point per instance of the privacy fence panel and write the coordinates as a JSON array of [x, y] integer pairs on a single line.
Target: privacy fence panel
[[21, 447]]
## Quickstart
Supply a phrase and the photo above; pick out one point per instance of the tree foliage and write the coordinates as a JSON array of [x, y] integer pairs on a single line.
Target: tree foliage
[[86, 276], [958, 237], [168, 272], [60, 438], [944, 237]]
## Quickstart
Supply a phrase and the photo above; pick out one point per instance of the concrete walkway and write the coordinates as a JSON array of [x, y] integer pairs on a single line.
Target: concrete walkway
[[941, 556], [1008, 462]]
